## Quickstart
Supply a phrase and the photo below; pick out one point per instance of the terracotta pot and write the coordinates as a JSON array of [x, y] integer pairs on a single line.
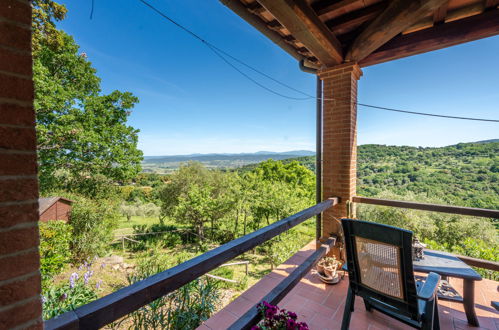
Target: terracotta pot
[[320, 268], [330, 271]]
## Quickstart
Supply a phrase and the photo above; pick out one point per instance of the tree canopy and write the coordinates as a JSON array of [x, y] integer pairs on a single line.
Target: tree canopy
[[83, 135]]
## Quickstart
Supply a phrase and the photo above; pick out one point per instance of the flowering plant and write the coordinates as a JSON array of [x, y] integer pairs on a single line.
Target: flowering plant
[[274, 318], [75, 292]]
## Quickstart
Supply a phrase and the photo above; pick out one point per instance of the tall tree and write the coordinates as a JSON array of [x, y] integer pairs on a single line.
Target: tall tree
[[83, 136]]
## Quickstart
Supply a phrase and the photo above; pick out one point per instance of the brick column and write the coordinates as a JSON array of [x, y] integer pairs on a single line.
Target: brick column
[[339, 145], [20, 305]]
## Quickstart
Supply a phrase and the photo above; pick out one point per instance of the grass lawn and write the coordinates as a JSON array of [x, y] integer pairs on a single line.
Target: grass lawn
[[125, 227]]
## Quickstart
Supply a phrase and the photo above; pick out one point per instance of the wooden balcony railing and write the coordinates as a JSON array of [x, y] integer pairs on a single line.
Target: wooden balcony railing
[[470, 211], [127, 300], [476, 212]]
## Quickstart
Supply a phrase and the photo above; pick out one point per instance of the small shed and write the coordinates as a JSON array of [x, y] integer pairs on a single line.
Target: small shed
[[54, 208]]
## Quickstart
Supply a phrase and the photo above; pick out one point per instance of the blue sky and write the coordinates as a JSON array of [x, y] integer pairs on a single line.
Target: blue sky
[[192, 102]]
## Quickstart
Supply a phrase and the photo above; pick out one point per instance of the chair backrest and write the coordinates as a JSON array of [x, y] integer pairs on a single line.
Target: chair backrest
[[379, 261]]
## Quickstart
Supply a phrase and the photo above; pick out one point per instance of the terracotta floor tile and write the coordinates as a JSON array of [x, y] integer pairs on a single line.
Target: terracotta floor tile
[[221, 320], [322, 306], [320, 322], [240, 306]]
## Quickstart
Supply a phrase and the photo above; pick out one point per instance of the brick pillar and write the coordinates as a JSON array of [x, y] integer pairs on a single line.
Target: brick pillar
[[339, 145], [20, 304]]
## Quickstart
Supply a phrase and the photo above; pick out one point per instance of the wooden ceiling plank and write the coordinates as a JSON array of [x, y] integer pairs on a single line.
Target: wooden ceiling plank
[[491, 4], [302, 22], [355, 18], [326, 7], [397, 17], [438, 37]]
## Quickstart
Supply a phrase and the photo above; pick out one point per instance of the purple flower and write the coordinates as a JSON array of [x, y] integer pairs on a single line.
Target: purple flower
[[255, 327], [63, 296], [102, 265], [292, 315], [87, 276], [72, 279], [290, 324], [302, 326], [98, 284]]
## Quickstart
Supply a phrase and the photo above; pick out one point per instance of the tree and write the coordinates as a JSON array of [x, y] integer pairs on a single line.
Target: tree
[[83, 136], [197, 196], [139, 209]]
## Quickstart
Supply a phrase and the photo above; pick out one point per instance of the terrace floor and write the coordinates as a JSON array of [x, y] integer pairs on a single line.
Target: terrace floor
[[321, 306]]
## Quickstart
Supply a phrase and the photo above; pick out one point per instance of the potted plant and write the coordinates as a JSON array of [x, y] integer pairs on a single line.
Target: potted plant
[[327, 269], [274, 318]]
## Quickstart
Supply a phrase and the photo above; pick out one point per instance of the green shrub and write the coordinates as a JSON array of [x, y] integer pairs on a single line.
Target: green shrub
[[55, 238], [93, 222], [184, 308], [445, 229], [469, 236], [72, 294], [474, 248]]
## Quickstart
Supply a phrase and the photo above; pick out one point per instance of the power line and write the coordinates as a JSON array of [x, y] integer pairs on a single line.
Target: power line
[[221, 54], [254, 81], [426, 114]]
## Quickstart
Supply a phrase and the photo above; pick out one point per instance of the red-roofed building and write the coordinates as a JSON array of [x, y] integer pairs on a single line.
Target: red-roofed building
[[54, 208]]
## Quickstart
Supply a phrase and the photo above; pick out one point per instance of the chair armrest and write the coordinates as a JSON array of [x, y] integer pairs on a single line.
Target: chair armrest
[[427, 291]]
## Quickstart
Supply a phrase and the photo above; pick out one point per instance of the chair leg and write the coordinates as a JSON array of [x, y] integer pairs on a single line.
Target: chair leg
[[431, 320], [367, 304], [347, 314], [436, 318]]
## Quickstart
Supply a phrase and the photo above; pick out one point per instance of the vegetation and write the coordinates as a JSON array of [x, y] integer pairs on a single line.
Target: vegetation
[[88, 153], [55, 253], [93, 222], [84, 141]]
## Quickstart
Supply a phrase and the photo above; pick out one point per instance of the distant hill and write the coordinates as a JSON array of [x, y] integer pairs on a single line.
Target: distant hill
[[165, 164], [488, 141], [464, 174]]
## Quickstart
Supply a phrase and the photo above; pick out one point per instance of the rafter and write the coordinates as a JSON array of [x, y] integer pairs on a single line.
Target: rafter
[[326, 7], [302, 22], [438, 37], [491, 4], [398, 16], [355, 18], [439, 14]]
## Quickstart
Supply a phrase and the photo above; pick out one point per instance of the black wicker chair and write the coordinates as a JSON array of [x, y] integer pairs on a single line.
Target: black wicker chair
[[379, 263]]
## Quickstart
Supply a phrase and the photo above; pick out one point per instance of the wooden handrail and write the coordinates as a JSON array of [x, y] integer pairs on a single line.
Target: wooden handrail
[[476, 212], [480, 263], [107, 309], [252, 316]]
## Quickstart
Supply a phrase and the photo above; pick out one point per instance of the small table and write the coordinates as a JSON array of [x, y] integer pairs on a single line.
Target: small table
[[447, 264]]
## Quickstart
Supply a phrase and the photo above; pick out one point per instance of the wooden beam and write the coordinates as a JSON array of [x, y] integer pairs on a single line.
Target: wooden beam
[[438, 37], [439, 14], [327, 7], [460, 13], [105, 310], [471, 211], [491, 4], [302, 22], [355, 18], [398, 16]]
